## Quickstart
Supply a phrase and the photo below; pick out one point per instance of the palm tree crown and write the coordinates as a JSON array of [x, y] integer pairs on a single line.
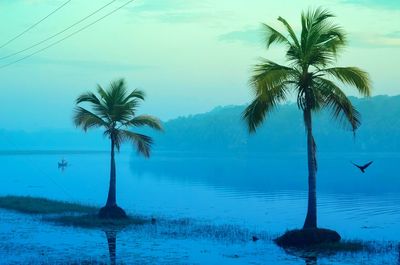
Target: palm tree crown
[[310, 72], [114, 109]]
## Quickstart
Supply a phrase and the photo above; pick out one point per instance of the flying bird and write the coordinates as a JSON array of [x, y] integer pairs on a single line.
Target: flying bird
[[364, 167]]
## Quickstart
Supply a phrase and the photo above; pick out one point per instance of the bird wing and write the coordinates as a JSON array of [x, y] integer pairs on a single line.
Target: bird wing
[[368, 164], [356, 165]]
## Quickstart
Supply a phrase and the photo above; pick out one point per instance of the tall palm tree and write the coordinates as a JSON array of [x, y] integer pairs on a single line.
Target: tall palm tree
[[114, 110], [311, 75]]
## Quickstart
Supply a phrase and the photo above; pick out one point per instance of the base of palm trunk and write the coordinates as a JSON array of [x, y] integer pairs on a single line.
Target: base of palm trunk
[[112, 212], [306, 237]]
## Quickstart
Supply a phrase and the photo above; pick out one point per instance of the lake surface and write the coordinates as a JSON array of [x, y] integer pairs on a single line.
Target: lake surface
[[263, 194]]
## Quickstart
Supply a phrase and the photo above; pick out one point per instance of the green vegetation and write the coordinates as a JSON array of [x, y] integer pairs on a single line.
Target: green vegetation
[[284, 131], [311, 76], [66, 213], [33, 205], [114, 110]]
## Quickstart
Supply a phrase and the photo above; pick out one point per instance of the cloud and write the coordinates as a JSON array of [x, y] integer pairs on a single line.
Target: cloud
[[393, 35], [388, 40], [248, 36], [389, 4]]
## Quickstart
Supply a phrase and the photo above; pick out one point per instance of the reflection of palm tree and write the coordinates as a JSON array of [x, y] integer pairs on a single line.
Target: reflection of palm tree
[[114, 110], [112, 245], [309, 257], [398, 259], [311, 260], [310, 76]]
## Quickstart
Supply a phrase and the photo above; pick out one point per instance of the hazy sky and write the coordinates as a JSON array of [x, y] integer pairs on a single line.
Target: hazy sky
[[188, 55]]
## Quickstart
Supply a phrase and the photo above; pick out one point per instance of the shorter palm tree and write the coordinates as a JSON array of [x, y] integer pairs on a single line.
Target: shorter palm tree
[[114, 110]]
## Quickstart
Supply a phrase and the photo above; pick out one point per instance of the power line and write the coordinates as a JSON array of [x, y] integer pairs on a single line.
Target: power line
[[68, 36], [34, 25], [58, 33]]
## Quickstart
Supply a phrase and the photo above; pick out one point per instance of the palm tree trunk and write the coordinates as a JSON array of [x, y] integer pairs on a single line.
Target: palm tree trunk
[[111, 199], [311, 218]]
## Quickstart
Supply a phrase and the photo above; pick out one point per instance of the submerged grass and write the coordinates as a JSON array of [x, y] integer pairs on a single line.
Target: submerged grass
[[34, 205], [186, 228]]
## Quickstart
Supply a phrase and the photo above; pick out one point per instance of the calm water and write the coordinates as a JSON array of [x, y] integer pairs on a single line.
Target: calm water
[[262, 194]]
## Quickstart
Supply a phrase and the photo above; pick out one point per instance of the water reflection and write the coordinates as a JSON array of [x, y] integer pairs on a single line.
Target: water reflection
[[311, 260], [112, 245], [309, 257], [265, 172], [398, 259]]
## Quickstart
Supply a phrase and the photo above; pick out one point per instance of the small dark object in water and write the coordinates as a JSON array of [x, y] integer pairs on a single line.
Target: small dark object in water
[[235, 256], [307, 237], [63, 164], [364, 167], [153, 220], [254, 238]]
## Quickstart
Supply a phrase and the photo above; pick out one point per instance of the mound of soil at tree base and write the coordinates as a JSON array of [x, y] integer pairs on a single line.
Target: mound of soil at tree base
[[112, 212], [307, 237]]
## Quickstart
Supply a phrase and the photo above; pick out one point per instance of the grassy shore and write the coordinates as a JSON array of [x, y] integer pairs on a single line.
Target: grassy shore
[[65, 213], [34, 205]]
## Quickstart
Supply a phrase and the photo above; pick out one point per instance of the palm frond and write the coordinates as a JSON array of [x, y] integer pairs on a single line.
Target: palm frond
[[146, 120], [136, 94], [316, 16], [97, 103], [338, 103], [320, 38], [352, 76], [271, 83], [290, 30], [86, 119], [255, 113], [102, 92], [142, 142], [88, 97], [265, 102], [273, 36], [268, 74]]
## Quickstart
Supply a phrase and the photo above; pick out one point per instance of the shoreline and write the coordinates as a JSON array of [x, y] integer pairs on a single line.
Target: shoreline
[[66, 214]]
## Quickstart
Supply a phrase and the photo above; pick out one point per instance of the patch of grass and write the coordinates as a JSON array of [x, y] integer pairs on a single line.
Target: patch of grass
[[190, 228], [344, 247], [33, 205], [66, 213], [93, 221]]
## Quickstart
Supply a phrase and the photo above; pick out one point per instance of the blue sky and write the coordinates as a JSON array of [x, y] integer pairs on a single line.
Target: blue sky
[[189, 56]]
